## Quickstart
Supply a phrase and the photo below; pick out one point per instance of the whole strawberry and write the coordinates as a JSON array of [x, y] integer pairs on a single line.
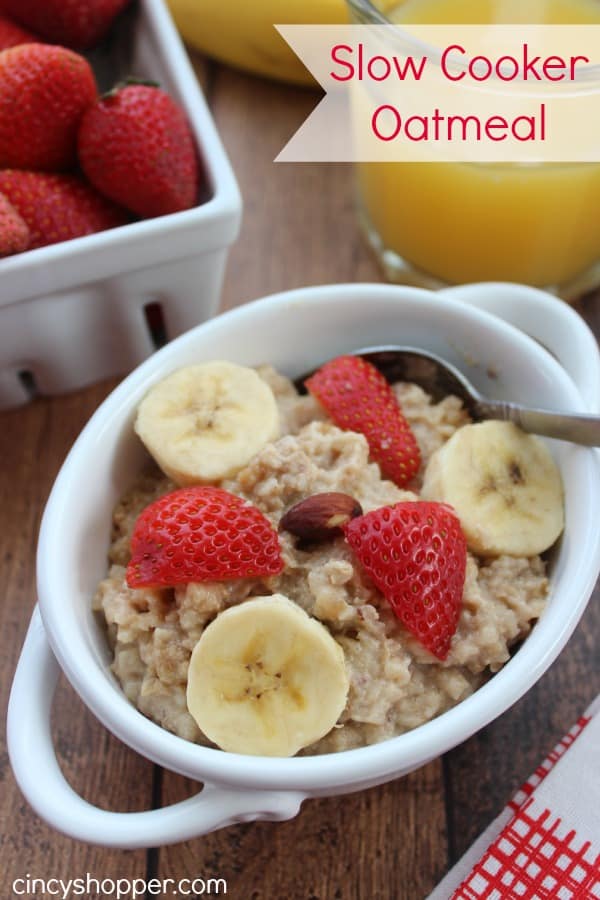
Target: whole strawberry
[[58, 207], [136, 147], [44, 91], [74, 23], [201, 534], [14, 233], [358, 398], [416, 554], [11, 34]]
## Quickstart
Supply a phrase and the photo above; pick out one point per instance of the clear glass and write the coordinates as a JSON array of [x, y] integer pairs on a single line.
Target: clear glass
[[437, 224]]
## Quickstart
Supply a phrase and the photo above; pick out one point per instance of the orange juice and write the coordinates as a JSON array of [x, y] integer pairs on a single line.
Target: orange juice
[[538, 224]]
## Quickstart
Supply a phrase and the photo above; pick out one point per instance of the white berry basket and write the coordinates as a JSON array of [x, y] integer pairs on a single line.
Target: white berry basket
[[82, 310], [295, 331]]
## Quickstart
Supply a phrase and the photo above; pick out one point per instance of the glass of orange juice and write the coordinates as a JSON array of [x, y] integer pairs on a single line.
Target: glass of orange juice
[[435, 224]]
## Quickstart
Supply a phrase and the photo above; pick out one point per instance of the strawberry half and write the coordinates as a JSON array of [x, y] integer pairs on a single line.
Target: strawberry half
[[201, 534], [416, 554], [358, 398]]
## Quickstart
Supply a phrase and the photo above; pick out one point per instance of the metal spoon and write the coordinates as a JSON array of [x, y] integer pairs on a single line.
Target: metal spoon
[[439, 379]]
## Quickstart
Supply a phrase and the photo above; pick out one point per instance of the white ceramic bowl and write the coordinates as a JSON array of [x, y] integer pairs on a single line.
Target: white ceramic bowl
[[294, 331]]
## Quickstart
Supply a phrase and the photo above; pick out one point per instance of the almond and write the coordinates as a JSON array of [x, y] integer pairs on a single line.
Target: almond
[[320, 517]]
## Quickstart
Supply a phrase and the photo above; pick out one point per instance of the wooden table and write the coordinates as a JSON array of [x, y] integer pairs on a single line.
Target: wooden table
[[393, 842]]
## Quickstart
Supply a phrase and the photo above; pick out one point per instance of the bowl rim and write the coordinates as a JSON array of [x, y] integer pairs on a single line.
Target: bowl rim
[[324, 772]]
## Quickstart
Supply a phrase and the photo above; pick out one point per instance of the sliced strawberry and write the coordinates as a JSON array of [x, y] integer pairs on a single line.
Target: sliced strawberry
[[358, 398], [201, 534], [416, 554]]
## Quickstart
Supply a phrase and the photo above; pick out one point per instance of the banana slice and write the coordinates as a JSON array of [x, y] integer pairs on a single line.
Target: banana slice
[[504, 487], [203, 423], [265, 679]]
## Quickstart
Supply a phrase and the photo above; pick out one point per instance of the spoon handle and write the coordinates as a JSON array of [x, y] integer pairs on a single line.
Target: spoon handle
[[579, 429]]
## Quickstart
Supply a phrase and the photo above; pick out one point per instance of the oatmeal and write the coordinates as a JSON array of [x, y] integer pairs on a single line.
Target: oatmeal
[[394, 683]]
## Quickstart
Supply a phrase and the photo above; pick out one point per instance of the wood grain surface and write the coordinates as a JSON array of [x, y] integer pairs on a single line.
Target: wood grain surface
[[390, 843]]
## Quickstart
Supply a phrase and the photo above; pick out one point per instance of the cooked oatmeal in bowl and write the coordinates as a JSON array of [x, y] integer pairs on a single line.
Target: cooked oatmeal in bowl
[[370, 678], [204, 655]]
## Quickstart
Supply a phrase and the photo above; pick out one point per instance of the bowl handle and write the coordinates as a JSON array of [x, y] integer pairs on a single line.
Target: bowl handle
[[39, 776], [547, 319]]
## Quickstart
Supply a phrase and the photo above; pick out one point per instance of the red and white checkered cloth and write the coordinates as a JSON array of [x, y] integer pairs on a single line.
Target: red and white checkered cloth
[[546, 842]]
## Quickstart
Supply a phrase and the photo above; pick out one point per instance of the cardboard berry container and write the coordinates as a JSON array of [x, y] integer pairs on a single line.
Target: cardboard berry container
[[82, 310], [295, 331]]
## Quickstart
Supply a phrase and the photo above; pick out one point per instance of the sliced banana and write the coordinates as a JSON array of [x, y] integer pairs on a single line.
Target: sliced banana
[[504, 486], [265, 679], [203, 423]]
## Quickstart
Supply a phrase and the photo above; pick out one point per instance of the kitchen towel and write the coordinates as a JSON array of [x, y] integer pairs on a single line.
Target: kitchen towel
[[546, 842]]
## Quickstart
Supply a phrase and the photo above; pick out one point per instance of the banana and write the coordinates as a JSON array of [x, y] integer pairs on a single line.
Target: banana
[[205, 422], [265, 679], [243, 34], [504, 486]]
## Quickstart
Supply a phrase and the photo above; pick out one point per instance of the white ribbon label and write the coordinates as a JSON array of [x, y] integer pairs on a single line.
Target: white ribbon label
[[452, 93]]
